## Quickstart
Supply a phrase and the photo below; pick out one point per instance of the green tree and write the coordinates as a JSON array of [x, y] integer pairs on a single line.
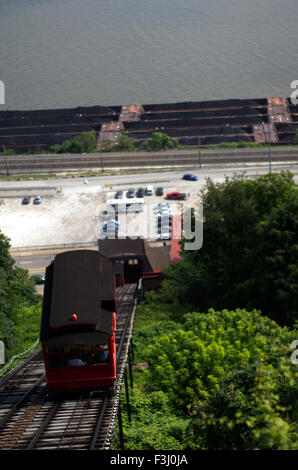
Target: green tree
[[125, 143], [158, 141], [17, 291], [249, 257], [84, 143]]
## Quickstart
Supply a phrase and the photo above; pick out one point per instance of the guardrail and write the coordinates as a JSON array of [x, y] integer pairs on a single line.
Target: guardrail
[[53, 247]]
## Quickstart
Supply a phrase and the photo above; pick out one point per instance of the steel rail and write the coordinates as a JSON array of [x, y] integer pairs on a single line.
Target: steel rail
[[21, 401], [44, 425], [69, 421], [10, 375], [65, 162]]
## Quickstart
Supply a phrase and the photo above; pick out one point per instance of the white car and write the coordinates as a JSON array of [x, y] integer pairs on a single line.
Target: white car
[[149, 190], [163, 208], [164, 213], [164, 236], [37, 200]]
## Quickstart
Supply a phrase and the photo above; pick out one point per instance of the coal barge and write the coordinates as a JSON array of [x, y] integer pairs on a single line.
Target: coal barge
[[191, 123]]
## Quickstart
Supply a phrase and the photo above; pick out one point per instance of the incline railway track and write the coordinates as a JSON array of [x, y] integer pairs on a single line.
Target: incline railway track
[[30, 163], [30, 419]]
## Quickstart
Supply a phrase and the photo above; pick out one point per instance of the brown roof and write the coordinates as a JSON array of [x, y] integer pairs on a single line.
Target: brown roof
[[158, 256], [121, 247]]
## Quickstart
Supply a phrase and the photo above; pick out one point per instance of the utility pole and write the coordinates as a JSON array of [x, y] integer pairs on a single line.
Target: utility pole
[[101, 162], [269, 144], [5, 158], [199, 152]]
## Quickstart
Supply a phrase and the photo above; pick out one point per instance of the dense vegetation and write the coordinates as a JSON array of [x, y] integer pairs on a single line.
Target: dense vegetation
[[221, 376], [84, 143], [20, 306], [250, 250], [157, 142]]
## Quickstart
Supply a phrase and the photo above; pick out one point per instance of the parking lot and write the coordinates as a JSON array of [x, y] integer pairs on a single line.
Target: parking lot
[[75, 215]]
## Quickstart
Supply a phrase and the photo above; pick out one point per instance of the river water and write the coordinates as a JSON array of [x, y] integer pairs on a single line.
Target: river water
[[66, 53]]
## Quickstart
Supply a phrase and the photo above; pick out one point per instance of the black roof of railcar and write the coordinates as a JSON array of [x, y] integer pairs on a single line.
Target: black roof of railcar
[[78, 283]]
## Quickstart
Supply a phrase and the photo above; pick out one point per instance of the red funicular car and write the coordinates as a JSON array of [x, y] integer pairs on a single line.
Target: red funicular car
[[78, 322]]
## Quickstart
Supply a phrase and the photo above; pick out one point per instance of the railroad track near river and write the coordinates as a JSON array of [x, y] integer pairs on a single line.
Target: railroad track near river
[[10, 164]]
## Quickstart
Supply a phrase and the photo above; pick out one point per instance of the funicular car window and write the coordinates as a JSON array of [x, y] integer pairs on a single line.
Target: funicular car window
[[55, 349], [78, 347], [58, 361], [79, 355], [99, 353]]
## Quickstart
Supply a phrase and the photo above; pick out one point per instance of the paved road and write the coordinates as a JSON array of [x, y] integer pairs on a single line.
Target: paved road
[[143, 178]]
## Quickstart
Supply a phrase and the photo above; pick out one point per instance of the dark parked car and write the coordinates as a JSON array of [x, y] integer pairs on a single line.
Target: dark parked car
[[130, 193], [110, 226], [159, 192], [140, 192], [119, 195], [26, 200], [190, 177]]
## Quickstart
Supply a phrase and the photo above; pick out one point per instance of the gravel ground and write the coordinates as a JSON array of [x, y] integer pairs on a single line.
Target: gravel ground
[[74, 216], [64, 218]]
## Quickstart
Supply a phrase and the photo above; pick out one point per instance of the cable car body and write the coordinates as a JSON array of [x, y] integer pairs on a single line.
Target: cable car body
[[79, 321]]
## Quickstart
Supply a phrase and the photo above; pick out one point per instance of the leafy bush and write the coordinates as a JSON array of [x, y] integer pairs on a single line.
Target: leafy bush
[[154, 424], [84, 143], [221, 380], [158, 141], [255, 408], [189, 364]]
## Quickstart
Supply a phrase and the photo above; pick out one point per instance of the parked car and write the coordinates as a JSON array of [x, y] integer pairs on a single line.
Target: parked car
[[130, 193], [164, 215], [164, 224], [165, 235], [26, 200], [190, 177], [140, 192], [110, 224], [162, 206], [149, 190], [119, 195], [37, 199], [176, 195], [159, 191], [164, 229]]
